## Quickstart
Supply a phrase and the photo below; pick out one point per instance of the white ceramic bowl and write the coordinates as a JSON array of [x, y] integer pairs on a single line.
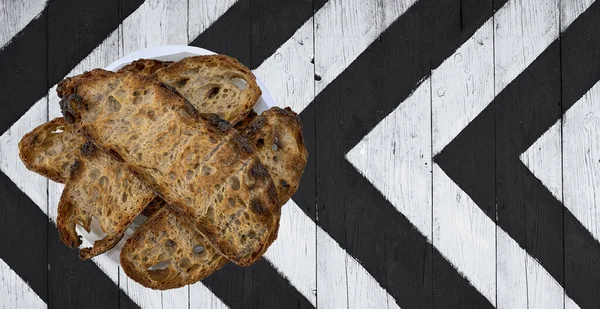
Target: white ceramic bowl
[[166, 53]]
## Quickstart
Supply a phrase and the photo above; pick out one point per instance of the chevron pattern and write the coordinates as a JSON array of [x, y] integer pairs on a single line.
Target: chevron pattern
[[454, 150]]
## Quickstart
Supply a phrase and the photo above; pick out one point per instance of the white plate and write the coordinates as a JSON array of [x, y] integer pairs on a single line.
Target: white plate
[[165, 53]]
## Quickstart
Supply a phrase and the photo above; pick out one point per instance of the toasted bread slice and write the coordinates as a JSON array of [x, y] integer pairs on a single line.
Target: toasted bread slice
[[277, 135], [203, 168], [168, 252], [101, 183], [215, 84], [51, 149]]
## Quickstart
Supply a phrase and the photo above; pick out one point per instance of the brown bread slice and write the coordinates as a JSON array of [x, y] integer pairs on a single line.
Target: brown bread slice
[[51, 149], [184, 158], [214, 84], [167, 252], [101, 183], [277, 135]]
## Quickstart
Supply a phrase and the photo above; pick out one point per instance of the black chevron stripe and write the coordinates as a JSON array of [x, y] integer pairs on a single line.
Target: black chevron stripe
[[50, 46], [355, 214], [526, 108], [261, 25], [256, 286], [31, 247]]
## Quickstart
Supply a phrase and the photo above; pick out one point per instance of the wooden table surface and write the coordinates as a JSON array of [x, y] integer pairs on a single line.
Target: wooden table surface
[[454, 150]]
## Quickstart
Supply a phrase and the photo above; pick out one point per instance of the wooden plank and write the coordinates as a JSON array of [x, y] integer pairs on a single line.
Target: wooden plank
[[581, 163], [14, 292], [16, 15], [523, 29]]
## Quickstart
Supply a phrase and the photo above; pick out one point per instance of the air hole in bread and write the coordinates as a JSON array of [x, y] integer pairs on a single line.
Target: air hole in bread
[[189, 175], [234, 183], [241, 83], [113, 104], [169, 243], [124, 197], [260, 143], [159, 265], [58, 129], [213, 92], [284, 184], [251, 234], [206, 170], [198, 249], [231, 201], [95, 232], [182, 82]]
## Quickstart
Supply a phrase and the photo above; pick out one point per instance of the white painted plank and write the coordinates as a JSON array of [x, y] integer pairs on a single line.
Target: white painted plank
[[523, 282], [522, 30], [396, 158], [581, 160], [15, 293], [544, 160], [201, 298], [570, 10], [464, 234], [203, 13], [291, 63], [343, 283], [15, 15], [462, 86], [296, 238], [162, 23]]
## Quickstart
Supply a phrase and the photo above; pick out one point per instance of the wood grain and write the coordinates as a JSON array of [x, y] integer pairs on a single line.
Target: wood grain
[[15, 293], [19, 13]]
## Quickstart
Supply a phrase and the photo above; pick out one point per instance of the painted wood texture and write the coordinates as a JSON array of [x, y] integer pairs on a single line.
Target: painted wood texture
[[444, 138]]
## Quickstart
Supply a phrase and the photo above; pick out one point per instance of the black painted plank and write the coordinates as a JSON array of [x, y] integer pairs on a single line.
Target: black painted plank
[[74, 28], [526, 108], [257, 286], [23, 237], [580, 63], [264, 25], [349, 208]]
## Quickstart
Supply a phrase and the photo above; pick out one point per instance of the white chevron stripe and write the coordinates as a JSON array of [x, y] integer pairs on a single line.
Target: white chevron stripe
[[580, 160], [18, 13], [334, 49], [15, 293], [461, 90], [544, 160]]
